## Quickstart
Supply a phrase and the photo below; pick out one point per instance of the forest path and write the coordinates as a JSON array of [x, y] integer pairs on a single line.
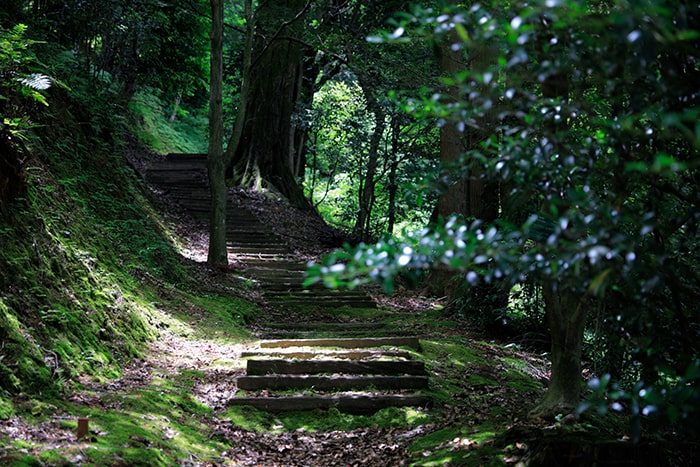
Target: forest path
[[297, 365]]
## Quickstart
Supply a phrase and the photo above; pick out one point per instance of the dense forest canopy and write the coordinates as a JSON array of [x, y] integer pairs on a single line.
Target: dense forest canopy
[[540, 159]]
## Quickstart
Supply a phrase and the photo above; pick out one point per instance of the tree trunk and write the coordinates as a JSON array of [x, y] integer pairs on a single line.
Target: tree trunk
[[217, 255], [393, 169], [368, 182], [307, 83], [566, 316], [261, 149], [565, 309], [176, 107], [468, 194]]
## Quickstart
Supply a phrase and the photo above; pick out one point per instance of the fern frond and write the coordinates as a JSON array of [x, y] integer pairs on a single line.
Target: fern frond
[[36, 81]]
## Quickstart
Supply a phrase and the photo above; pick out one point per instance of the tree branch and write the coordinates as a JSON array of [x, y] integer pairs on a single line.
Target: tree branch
[[279, 31]]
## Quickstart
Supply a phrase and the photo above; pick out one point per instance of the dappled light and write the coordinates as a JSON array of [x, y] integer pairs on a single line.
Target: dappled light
[[297, 233]]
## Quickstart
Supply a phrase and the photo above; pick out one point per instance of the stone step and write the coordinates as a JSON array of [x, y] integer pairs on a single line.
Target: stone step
[[324, 326], [255, 248], [321, 303], [280, 267], [348, 367], [338, 354], [282, 334], [310, 294], [355, 404], [345, 343], [331, 383]]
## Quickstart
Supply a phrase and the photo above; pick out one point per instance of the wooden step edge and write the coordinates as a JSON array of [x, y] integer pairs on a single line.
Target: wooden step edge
[[341, 354], [355, 404], [266, 367], [346, 343], [323, 325], [332, 383], [325, 334]]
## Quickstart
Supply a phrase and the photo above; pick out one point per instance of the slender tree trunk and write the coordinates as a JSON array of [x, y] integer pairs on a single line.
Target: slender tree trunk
[[176, 107], [307, 83], [393, 168], [453, 200], [217, 255], [565, 309], [366, 195], [236, 139]]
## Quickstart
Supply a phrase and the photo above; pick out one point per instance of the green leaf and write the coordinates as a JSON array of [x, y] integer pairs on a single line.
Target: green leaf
[[597, 284]]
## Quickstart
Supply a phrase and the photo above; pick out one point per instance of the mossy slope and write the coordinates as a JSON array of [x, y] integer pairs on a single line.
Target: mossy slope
[[81, 255]]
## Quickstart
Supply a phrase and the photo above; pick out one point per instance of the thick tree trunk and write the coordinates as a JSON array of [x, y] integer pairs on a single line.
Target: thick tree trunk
[[215, 160], [468, 194], [261, 150], [566, 316]]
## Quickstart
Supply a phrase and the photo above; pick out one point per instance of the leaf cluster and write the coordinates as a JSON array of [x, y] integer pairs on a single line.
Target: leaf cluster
[[593, 137]]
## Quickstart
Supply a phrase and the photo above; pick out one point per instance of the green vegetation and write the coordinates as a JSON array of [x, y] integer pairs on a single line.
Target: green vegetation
[[154, 128], [580, 124], [571, 129], [324, 421]]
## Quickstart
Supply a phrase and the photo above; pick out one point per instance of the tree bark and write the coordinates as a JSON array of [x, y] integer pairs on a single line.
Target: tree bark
[[566, 313], [368, 182], [565, 309], [217, 255], [467, 194], [261, 148], [393, 169]]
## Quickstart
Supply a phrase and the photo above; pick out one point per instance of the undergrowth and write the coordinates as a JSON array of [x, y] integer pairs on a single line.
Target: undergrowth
[[84, 256], [152, 125]]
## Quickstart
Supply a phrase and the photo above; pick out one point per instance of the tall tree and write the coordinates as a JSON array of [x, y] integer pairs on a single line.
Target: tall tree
[[366, 191], [466, 191], [216, 165], [261, 147]]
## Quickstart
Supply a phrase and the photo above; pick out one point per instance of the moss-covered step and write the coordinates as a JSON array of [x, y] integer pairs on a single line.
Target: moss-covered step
[[355, 404], [324, 329], [325, 326], [354, 367], [342, 354], [281, 334], [331, 383], [344, 343], [321, 302]]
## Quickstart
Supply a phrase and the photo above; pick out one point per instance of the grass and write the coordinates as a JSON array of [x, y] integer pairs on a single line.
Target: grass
[[187, 134]]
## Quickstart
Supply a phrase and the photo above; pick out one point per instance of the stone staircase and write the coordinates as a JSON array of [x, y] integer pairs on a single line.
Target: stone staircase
[[355, 366]]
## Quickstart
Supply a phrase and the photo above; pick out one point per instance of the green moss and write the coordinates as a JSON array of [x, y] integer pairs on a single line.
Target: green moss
[[454, 446], [456, 353], [225, 316], [433, 439], [52, 457], [521, 382], [136, 456], [25, 461], [478, 380], [186, 134], [324, 420], [7, 408]]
